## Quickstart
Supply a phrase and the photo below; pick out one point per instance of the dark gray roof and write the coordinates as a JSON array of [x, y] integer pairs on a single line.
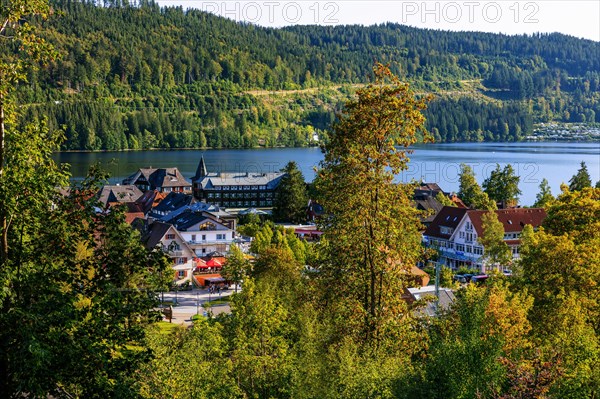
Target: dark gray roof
[[154, 233], [159, 177], [172, 202], [201, 170], [449, 216], [426, 204], [117, 193], [212, 180], [188, 218]]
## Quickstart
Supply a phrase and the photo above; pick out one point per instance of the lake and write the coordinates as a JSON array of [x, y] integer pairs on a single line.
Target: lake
[[533, 161]]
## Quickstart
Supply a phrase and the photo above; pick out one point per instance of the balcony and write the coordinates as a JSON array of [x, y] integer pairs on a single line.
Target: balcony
[[174, 253]]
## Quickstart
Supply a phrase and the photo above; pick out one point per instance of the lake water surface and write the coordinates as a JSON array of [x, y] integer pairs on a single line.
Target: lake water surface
[[440, 163]]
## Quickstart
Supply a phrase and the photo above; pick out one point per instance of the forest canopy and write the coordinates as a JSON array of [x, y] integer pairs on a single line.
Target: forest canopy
[[133, 75]]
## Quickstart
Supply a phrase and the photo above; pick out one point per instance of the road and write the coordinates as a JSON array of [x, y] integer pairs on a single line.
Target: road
[[190, 303]]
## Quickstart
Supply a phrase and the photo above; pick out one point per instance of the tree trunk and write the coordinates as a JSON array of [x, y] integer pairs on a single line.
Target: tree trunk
[[3, 223]]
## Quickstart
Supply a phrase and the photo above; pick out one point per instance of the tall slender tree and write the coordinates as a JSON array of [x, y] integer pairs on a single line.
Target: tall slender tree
[[581, 179], [292, 197], [372, 229], [470, 191], [544, 197], [495, 251], [27, 50]]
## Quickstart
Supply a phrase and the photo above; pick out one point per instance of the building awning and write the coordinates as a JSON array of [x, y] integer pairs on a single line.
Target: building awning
[[456, 256], [215, 279]]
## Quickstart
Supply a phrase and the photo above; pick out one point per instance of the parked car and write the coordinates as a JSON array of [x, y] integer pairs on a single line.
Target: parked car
[[460, 278], [479, 279]]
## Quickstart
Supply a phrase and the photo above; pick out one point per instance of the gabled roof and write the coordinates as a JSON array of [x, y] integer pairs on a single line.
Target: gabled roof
[[201, 170], [513, 220], [117, 193], [159, 177], [154, 234], [172, 202], [188, 219], [426, 204], [448, 216], [150, 199]]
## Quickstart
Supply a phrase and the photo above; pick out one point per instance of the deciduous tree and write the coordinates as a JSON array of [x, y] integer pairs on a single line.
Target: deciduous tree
[[502, 186], [470, 191], [373, 229], [495, 251]]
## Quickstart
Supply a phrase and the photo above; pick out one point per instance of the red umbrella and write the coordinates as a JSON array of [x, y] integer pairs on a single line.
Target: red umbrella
[[213, 263]]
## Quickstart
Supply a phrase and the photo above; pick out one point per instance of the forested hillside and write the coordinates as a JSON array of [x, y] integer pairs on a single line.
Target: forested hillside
[[135, 77]]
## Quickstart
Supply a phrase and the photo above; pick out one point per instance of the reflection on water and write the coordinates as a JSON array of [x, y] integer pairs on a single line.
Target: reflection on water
[[556, 162]]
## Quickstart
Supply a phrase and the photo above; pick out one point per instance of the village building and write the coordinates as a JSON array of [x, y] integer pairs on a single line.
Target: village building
[[455, 231], [203, 232], [113, 194], [235, 190], [165, 237], [163, 180]]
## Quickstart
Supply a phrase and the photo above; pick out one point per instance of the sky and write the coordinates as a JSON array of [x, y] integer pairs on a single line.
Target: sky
[[579, 18]]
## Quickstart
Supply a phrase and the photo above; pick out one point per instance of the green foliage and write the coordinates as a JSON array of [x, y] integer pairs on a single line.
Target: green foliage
[[444, 200], [82, 291], [137, 76], [373, 231], [561, 269], [292, 198], [468, 342], [580, 180], [187, 363], [544, 198], [496, 252], [575, 213], [470, 191], [237, 266], [502, 186]]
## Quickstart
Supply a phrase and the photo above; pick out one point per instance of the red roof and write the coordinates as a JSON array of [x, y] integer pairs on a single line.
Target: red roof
[[513, 220]]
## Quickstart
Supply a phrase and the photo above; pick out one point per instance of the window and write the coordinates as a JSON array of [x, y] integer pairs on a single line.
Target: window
[[203, 237], [469, 249], [181, 273], [460, 247], [478, 250], [446, 230], [515, 250], [193, 237], [221, 236], [461, 234], [469, 226], [170, 236]]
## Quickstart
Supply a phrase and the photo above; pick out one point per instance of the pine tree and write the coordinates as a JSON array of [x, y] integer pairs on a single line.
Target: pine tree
[[292, 197], [544, 197], [581, 179]]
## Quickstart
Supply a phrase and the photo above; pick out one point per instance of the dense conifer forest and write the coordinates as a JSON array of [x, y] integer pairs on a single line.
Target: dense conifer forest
[[133, 75]]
